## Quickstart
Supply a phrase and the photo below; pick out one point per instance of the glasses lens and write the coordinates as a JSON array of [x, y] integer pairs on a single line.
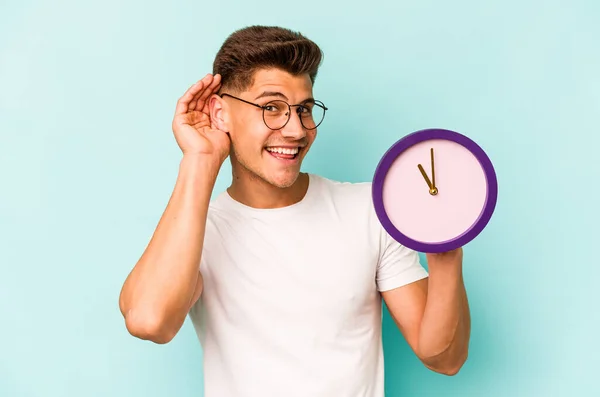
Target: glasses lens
[[312, 114], [276, 114]]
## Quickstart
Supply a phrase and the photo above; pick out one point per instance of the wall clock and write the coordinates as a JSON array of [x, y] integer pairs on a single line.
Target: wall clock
[[434, 190]]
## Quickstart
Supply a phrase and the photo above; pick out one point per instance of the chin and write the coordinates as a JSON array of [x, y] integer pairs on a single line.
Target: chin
[[280, 173], [282, 179]]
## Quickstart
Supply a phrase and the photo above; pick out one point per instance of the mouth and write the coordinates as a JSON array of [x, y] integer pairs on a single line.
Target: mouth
[[284, 153]]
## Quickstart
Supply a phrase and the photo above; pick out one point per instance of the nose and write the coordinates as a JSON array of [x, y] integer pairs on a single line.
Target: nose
[[293, 129]]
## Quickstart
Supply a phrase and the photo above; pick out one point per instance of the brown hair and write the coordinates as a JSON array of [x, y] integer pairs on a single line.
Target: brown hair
[[256, 47]]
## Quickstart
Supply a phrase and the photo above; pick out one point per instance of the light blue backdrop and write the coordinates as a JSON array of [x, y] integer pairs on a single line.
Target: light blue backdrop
[[87, 164]]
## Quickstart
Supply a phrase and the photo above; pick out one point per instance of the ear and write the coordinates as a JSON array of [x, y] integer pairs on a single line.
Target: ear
[[219, 115]]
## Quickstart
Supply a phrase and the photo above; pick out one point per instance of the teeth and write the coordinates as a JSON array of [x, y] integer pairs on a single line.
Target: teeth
[[282, 150]]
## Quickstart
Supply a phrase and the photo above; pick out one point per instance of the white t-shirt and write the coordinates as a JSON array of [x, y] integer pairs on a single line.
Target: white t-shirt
[[291, 304]]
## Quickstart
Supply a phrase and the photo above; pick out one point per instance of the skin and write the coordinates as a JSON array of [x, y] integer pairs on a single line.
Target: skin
[[432, 314]]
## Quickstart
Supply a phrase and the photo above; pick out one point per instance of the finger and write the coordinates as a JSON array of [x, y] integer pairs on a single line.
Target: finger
[[188, 98], [184, 102], [207, 80], [210, 90], [198, 100], [206, 108]]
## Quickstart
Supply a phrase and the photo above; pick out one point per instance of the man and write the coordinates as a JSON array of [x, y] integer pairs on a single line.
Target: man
[[284, 273]]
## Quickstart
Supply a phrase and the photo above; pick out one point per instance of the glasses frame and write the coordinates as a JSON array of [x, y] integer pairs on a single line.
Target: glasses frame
[[264, 107]]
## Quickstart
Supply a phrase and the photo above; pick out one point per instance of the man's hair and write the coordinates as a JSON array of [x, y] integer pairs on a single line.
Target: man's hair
[[264, 47]]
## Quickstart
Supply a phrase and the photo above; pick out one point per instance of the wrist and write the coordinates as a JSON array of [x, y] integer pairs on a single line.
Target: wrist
[[450, 261], [202, 166]]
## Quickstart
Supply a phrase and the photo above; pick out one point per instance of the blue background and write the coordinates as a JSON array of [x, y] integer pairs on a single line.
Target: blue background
[[88, 162]]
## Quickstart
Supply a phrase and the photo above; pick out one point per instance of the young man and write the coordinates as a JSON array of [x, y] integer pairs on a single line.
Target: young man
[[284, 273]]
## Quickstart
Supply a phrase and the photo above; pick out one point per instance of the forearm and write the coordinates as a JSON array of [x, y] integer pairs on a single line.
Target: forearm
[[445, 328], [156, 295]]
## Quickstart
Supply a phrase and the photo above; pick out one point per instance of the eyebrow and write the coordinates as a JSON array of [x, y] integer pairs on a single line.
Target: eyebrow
[[280, 95], [271, 93]]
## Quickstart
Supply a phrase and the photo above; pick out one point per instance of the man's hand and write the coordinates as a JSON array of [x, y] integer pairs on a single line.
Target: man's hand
[[194, 132]]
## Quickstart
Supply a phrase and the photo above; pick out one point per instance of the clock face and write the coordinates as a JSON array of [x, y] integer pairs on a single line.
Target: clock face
[[434, 190]]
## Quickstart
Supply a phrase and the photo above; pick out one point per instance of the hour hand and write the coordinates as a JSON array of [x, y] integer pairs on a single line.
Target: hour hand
[[425, 176]]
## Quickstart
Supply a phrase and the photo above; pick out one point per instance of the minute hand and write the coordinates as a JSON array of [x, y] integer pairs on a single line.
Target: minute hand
[[432, 171]]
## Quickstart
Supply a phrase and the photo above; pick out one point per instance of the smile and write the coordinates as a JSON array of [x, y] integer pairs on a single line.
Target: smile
[[283, 153]]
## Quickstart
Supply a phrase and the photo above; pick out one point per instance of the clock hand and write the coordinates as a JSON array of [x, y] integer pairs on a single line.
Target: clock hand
[[425, 176], [432, 172], [432, 189]]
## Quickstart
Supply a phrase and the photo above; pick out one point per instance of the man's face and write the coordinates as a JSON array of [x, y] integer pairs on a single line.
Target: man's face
[[274, 156]]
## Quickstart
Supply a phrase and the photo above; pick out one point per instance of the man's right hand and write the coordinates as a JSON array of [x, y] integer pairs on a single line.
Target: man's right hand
[[194, 132]]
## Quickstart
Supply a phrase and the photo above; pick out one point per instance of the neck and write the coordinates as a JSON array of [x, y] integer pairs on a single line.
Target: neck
[[255, 192]]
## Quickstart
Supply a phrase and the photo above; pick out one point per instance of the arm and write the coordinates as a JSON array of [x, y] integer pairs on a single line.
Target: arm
[[433, 314], [166, 281]]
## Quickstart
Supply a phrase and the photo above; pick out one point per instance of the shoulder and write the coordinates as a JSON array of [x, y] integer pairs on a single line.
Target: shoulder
[[353, 200], [357, 192]]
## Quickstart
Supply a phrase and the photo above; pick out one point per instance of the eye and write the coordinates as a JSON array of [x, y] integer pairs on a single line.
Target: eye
[[275, 107], [304, 109]]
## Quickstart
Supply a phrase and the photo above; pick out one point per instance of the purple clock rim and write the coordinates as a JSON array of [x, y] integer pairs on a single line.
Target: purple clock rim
[[390, 157]]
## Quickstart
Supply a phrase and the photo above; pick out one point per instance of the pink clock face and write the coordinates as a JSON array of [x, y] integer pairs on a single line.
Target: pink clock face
[[434, 207], [461, 191]]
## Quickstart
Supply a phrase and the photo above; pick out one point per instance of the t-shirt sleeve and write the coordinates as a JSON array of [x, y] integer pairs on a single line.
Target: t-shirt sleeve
[[398, 265]]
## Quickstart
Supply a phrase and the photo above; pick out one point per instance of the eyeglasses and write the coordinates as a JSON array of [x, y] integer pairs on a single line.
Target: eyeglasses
[[276, 114]]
